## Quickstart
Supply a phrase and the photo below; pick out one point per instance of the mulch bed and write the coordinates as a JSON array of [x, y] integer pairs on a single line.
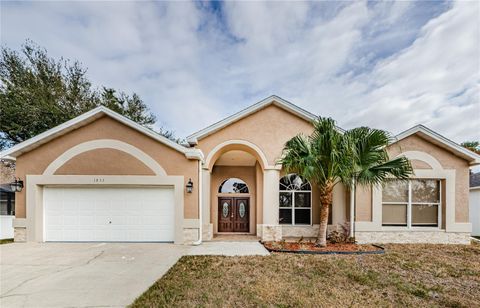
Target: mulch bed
[[310, 248]]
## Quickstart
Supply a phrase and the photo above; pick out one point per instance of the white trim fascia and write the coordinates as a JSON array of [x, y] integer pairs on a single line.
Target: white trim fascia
[[474, 159], [145, 130], [193, 153], [81, 120], [8, 158], [273, 99]]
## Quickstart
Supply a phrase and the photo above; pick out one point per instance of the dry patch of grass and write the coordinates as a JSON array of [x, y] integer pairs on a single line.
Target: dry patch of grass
[[407, 275]]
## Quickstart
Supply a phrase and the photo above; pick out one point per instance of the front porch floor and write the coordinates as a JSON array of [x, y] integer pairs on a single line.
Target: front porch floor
[[235, 238]]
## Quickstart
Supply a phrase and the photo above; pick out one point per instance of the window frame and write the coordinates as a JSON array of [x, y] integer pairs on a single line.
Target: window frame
[[292, 208], [409, 204], [9, 203], [219, 190]]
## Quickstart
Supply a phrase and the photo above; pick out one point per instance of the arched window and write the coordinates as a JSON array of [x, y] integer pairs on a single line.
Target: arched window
[[233, 186], [295, 200]]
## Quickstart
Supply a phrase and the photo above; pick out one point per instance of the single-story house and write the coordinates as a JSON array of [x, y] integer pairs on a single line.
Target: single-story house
[[475, 203], [103, 177]]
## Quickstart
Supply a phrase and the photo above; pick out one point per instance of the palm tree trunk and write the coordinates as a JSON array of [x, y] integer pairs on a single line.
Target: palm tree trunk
[[326, 197]]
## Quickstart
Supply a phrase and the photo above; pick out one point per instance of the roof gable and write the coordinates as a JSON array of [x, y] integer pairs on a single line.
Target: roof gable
[[85, 119], [441, 141], [271, 100]]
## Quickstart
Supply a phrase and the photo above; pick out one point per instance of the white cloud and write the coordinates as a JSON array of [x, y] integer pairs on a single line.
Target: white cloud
[[438, 72], [389, 65]]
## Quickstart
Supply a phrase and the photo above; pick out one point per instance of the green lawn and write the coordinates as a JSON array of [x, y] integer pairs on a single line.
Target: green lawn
[[407, 275]]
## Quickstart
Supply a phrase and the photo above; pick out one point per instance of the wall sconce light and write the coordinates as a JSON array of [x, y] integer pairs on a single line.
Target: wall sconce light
[[17, 185], [189, 186]]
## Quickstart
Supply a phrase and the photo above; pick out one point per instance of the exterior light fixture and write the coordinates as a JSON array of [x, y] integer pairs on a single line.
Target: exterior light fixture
[[17, 185], [189, 186]]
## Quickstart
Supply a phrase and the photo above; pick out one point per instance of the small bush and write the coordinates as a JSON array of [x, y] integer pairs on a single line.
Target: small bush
[[340, 236]]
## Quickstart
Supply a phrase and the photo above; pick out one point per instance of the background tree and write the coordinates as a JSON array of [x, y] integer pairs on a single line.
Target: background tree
[[38, 92], [473, 146], [7, 171], [328, 157]]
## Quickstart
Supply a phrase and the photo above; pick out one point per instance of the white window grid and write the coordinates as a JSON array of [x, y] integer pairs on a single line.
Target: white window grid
[[409, 204], [293, 208]]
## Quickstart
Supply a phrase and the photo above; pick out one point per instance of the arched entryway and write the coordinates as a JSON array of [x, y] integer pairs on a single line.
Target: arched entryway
[[236, 188]]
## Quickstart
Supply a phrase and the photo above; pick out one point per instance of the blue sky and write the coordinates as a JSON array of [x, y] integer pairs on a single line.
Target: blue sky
[[384, 64]]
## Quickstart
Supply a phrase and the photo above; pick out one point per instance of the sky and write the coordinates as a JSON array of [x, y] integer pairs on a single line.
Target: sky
[[388, 65]]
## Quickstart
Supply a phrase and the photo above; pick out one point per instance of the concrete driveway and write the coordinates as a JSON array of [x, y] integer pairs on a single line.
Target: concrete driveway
[[81, 274]]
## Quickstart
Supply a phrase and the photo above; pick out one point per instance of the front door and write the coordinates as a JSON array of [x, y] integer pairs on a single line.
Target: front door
[[233, 214]]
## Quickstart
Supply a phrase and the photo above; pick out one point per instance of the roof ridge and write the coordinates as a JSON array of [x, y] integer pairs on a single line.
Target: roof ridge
[[282, 103], [475, 158]]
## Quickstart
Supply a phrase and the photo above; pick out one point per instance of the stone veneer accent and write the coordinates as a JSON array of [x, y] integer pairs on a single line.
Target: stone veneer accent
[[190, 235], [306, 231], [271, 233], [401, 237], [20, 234]]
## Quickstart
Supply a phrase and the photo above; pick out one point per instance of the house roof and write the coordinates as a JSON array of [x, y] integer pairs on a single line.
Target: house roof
[[192, 153], [85, 119], [475, 180], [441, 141], [271, 100]]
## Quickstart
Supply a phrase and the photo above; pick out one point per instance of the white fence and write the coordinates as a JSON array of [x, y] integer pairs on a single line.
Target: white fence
[[6, 227], [475, 211]]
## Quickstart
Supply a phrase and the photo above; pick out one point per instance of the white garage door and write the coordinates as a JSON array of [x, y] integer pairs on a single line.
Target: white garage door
[[109, 214]]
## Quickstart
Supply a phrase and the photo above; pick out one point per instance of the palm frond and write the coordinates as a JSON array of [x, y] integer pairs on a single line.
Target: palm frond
[[372, 163]]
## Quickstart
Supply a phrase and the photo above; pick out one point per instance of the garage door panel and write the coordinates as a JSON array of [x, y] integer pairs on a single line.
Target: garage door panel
[[70, 221], [85, 220], [109, 214], [86, 235], [54, 221], [54, 236]]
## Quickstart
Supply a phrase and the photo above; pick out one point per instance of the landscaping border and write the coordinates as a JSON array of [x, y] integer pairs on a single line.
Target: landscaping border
[[310, 252]]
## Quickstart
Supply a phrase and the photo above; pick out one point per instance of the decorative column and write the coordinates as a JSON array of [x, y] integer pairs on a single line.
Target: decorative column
[[271, 230], [206, 223]]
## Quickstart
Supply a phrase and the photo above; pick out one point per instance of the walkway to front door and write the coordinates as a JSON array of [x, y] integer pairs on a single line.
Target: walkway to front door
[[233, 214]]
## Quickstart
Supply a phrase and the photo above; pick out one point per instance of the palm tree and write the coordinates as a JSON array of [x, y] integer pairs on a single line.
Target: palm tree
[[328, 157]]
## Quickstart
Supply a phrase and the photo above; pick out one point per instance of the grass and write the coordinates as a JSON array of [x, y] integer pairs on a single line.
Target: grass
[[407, 275], [6, 241]]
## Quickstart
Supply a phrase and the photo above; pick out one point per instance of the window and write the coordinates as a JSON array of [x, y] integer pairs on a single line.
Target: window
[[233, 186], [7, 203], [295, 206], [414, 203]]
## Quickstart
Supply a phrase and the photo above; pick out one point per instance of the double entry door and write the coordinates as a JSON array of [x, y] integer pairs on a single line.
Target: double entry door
[[233, 214]]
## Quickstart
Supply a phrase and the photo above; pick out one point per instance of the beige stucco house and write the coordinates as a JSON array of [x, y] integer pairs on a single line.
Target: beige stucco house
[[102, 177]]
